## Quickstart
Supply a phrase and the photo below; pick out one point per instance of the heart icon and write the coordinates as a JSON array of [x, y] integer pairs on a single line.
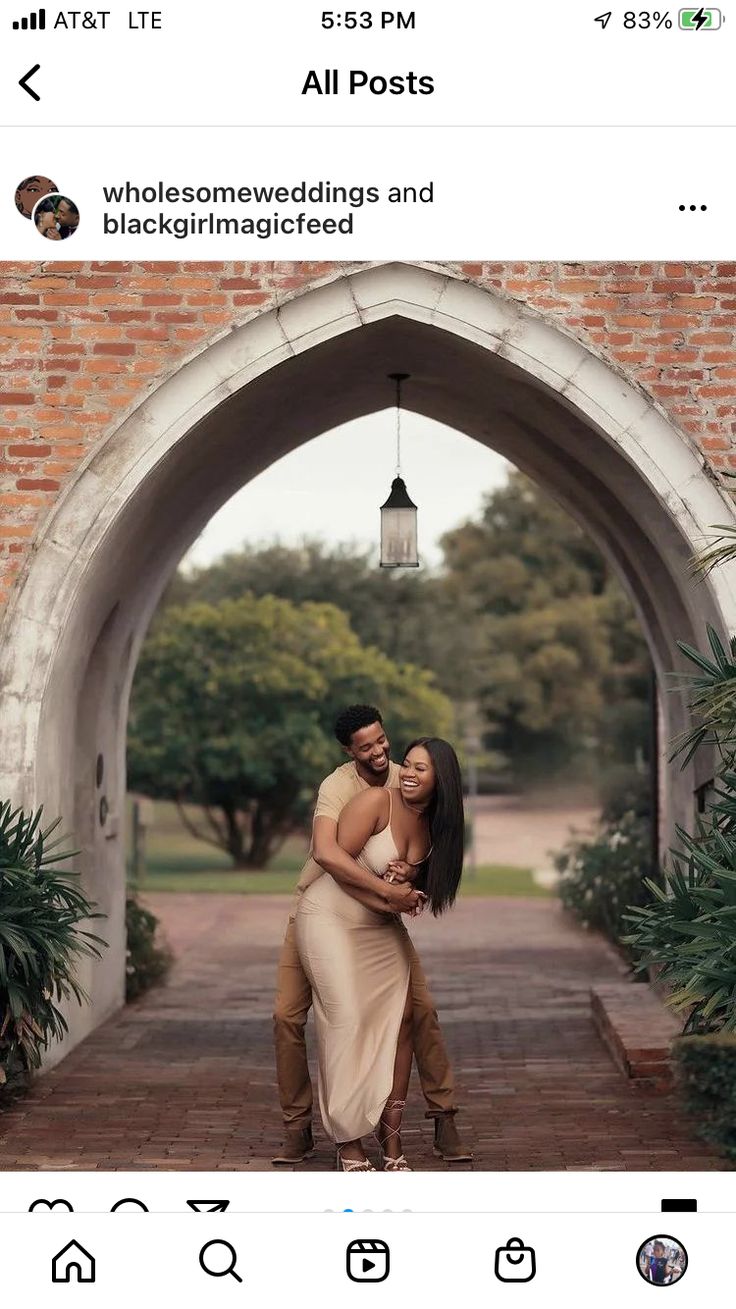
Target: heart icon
[[51, 1204]]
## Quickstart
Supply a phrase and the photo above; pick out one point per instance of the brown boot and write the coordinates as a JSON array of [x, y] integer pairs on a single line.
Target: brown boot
[[447, 1142], [298, 1144]]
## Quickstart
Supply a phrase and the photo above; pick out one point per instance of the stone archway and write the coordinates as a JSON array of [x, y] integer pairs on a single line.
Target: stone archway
[[482, 364]]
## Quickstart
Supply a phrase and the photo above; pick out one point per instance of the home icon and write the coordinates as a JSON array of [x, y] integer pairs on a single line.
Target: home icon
[[73, 1263]]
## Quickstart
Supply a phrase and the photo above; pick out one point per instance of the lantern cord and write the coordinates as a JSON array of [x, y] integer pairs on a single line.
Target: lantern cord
[[398, 427]]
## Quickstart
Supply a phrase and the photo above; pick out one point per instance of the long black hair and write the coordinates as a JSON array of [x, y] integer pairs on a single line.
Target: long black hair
[[44, 207], [440, 875]]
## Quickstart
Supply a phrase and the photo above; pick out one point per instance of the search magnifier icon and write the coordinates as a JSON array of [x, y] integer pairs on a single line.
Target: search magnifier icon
[[218, 1259]]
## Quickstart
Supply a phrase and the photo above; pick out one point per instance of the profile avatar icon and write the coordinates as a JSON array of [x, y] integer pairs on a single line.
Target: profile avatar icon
[[56, 217], [30, 191], [661, 1260]]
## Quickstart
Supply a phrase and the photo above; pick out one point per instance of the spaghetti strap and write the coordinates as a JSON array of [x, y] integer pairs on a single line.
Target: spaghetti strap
[[387, 828]]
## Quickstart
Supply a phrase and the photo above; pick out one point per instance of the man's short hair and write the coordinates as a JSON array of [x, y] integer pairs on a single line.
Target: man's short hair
[[352, 719]]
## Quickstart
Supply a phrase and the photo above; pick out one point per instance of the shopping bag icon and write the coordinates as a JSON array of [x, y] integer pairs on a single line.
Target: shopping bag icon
[[515, 1262]]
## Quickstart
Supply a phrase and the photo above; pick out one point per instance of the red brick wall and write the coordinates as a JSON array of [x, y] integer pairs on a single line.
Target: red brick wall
[[81, 343]]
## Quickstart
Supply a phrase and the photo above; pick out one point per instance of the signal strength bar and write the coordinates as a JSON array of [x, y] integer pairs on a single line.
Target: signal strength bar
[[34, 23]]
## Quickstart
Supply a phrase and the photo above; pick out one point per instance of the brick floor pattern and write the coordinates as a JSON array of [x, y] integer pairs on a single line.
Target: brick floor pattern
[[184, 1079]]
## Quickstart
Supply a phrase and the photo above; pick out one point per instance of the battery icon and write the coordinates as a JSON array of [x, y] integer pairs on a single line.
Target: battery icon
[[697, 20]]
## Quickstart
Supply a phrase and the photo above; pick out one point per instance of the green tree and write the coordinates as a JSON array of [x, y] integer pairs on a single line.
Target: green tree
[[405, 615], [524, 625], [555, 655], [233, 707]]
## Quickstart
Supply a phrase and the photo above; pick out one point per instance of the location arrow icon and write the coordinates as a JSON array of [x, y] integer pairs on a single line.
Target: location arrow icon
[[25, 80], [604, 19], [208, 1206]]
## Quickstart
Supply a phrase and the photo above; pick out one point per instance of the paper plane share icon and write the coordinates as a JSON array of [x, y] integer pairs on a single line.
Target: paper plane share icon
[[208, 1206], [604, 19]]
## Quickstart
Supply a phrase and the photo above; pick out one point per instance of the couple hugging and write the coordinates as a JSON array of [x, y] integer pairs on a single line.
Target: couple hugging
[[387, 840]]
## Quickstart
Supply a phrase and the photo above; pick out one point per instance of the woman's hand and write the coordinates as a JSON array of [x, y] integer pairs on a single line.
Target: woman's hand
[[400, 871]]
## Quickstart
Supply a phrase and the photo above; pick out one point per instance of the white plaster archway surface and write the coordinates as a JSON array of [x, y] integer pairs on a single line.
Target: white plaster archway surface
[[482, 364]]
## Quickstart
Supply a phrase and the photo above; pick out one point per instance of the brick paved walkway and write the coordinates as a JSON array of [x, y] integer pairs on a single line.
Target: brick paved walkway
[[184, 1079]]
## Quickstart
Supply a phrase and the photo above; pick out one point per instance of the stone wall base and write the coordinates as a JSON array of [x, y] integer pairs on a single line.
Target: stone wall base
[[637, 1031]]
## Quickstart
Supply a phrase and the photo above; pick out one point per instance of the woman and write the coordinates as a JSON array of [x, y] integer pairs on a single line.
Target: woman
[[355, 953], [46, 220]]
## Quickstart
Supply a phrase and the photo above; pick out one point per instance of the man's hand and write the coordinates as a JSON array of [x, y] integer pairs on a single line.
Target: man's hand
[[400, 871], [402, 898]]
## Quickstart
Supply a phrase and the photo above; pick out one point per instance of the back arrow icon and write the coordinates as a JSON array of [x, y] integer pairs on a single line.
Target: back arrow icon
[[26, 78]]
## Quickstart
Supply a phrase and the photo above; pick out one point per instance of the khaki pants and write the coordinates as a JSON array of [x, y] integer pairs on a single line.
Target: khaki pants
[[293, 1002]]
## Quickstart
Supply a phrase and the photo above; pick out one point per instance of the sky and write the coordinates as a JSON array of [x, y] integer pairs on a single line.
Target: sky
[[332, 488]]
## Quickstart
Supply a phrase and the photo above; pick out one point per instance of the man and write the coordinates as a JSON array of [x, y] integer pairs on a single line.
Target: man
[[67, 216], [359, 729]]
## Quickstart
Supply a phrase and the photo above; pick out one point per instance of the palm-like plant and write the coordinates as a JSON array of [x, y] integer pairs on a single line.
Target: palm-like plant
[[689, 930], [713, 688], [722, 549], [41, 941], [712, 699]]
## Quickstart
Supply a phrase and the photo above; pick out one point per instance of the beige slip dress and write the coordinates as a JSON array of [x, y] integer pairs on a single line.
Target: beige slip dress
[[358, 964]]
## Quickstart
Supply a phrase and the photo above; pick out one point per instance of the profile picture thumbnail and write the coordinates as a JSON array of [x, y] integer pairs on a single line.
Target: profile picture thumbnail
[[662, 1260], [56, 217], [29, 192]]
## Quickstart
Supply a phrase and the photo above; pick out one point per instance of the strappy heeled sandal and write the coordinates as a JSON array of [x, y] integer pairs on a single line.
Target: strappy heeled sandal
[[391, 1165], [354, 1165]]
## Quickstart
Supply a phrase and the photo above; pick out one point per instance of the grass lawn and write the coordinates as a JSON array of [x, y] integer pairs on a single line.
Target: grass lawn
[[501, 879], [268, 882], [175, 861], [171, 850], [491, 879]]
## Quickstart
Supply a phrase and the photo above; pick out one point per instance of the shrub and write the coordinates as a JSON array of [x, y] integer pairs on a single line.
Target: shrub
[[601, 876], [41, 941], [706, 1068], [624, 789], [147, 960]]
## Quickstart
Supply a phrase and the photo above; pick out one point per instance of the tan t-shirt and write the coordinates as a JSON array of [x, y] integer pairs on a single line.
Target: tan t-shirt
[[333, 795]]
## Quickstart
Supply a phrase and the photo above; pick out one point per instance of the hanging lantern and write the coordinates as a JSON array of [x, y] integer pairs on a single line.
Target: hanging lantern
[[399, 513]]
